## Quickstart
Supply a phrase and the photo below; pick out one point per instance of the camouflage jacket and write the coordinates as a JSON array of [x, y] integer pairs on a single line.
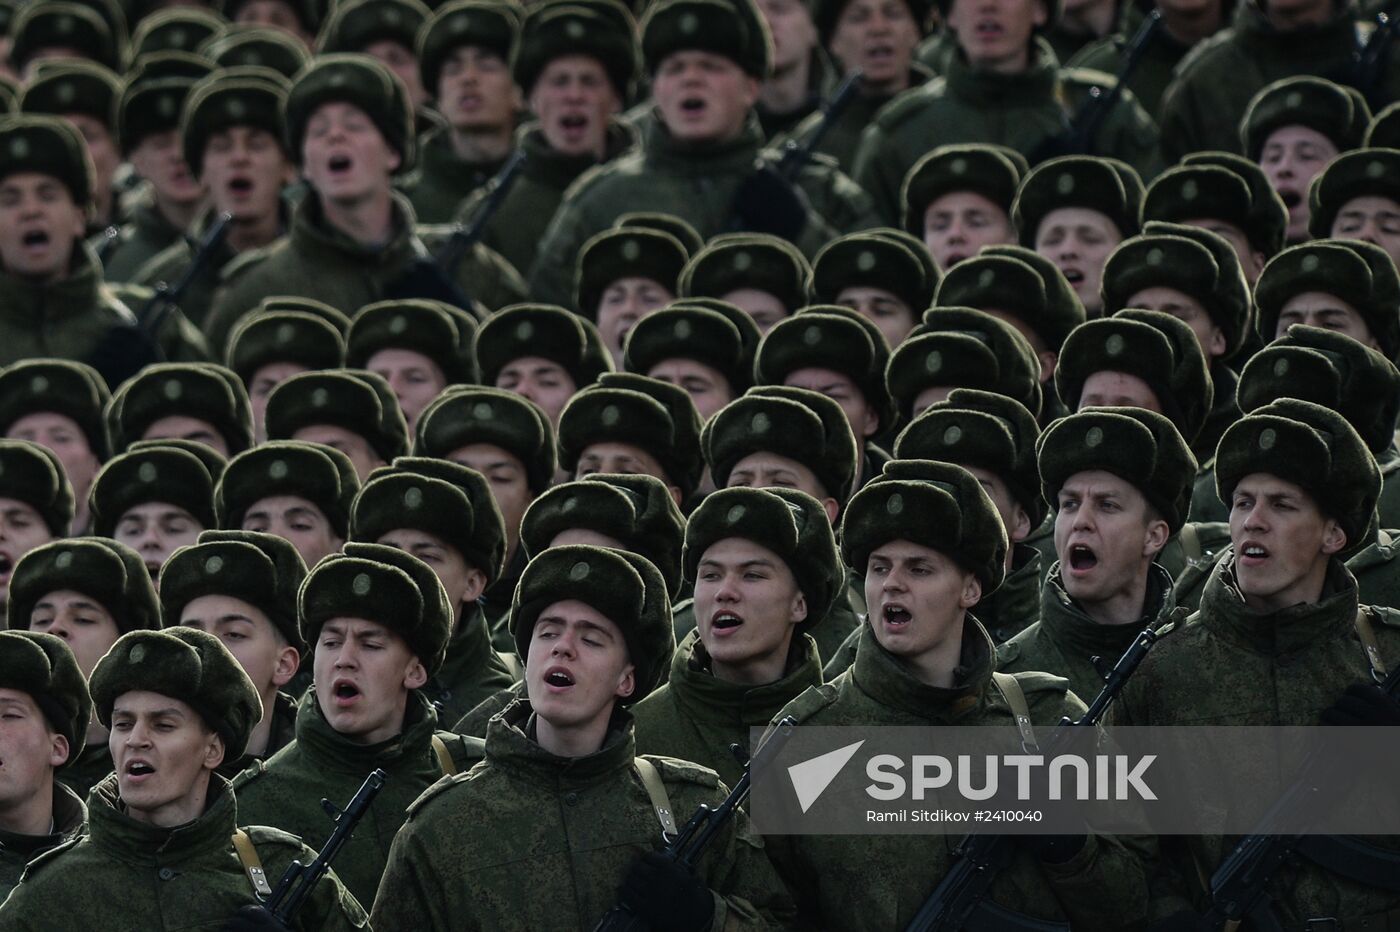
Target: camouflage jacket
[[91, 767], [1101, 887], [472, 672], [16, 851], [145, 234], [696, 716], [130, 876], [284, 731], [1154, 69], [285, 791], [442, 179], [473, 847], [843, 134]]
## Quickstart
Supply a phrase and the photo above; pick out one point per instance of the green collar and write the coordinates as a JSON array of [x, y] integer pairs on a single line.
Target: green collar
[[511, 747], [205, 840], [886, 679], [1067, 624], [705, 697], [663, 151], [69, 817], [1028, 88], [33, 302], [1296, 48], [556, 170], [311, 233], [329, 749], [1283, 632], [1016, 603]]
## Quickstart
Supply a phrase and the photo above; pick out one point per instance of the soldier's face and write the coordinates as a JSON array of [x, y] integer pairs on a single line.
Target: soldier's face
[[767, 470], [764, 307], [624, 459], [794, 33], [357, 448], [878, 37], [250, 636], [917, 598], [80, 620], [297, 521], [703, 97], [882, 308], [625, 302], [278, 14], [1106, 535], [1371, 219], [1109, 389], [402, 62], [29, 750], [155, 530], [1185, 309], [415, 379], [842, 390], [573, 100], [1291, 158], [476, 90], [62, 435], [245, 170], [957, 225], [508, 480], [163, 754], [706, 385], [1282, 542], [577, 666], [995, 35], [747, 609], [344, 156], [21, 530], [464, 583], [1078, 241], [39, 225], [160, 160], [260, 386], [183, 427], [363, 674], [1318, 309], [546, 383]]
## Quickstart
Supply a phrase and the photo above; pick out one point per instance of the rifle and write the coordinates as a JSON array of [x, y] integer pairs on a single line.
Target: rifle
[[797, 154], [1078, 135], [168, 296], [466, 235], [959, 902], [1370, 61], [300, 879], [1239, 886], [697, 834], [111, 236]]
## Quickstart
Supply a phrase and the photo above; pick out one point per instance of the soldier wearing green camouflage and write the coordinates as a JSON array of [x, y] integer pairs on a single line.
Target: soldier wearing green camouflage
[[885, 275], [701, 346], [154, 500], [594, 626], [1354, 198], [764, 276]]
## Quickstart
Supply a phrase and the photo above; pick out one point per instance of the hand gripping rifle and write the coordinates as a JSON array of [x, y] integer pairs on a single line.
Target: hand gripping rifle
[[300, 879], [959, 903], [696, 836]]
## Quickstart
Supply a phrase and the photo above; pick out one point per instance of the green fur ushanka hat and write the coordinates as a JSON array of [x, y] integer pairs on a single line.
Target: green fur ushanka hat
[[1354, 174], [622, 587], [108, 572], [1337, 112], [1015, 281], [32, 474], [263, 570], [360, 81], [1312, 447], [322, 475], [790, 523], [732, 28], [1099, 184], [1341, 269], [543, 330], [686, 331], [935, 505], [60, 386], [154, 473], [961, 347], [44, 666], [184, 664], [350, 399], [203, 391], [625, 252], [1140, 447], [837, 339], [464, 416], [995, 172], [874, 259]]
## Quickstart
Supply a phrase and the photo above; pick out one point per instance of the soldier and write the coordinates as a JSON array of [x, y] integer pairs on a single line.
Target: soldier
[[764, 276], [378, 623], [1337, 285], [88, 591], [508, 440], [266, 349], [46, 713], [443, 514], [418, 347], [1353, 200], [1121, 484], [1210, 93], [232, 137], [177, 704], [1302, 489], [884, 275], [241, 587], [764, 567], [576, 65], [1075, 211], [155, 500], [383, 29], [352, 239], [595, 628], [464, 54], [44, 31], [704, 351], [1293, 129], [298, 18], [51, 285], [993, 73], [623, 275], [929, 557], [542, 353], [203, 403], [85, 94], [58, 405], [300, 492], [148, 118], [705, 129], [802, 73], [994, 438], [36, 503], [345, 410], [958, 199], [248, 45], [171, 30]]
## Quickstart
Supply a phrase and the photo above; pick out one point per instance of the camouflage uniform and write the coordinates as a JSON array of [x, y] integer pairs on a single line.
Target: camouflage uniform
[[146, 234], [472, 672], [443, 179], [16, 851], [843, 135], [283, 733]]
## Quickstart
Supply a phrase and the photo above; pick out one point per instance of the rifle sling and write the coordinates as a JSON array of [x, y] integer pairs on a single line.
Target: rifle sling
[[444, 757], [656, 792], [1367, 635], [1016, 698], [252, 864]]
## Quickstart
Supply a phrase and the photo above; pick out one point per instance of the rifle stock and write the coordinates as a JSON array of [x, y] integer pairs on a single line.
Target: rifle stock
[[168, 296], [467, 235]]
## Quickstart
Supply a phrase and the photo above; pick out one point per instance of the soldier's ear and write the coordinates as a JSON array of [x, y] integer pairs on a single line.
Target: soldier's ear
[[799, 609], [58, 750], [971, 591], [1334, 539], [416, 676], [214, 751], [626, 682]]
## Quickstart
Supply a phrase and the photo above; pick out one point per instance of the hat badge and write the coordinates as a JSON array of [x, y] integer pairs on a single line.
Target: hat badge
[[760, 423], [65, 93], [1374, 169], [172, 389], [277, 469], [1310, 262], [63, 560], [865, 262], [689, 24], [337, 79], [320, 398], [933, 362], [361, 584], [952, 435], [985, 278], [1113, 346], [413, 498], [812, 335], [213, 566], [1267, 438], [165, 105], [574, 29], [63, 25], [179, 38], [579, 571], [1190, 189], [460, 24], [1293, 100], [1155, 256], [1280, 368], [391, 16], [524, 331], [1064, 184], [610, 415], [958, 166], [482, 411], [19, 148], [894, 504], [398, 324], [742, 261], [235, 108], [136, 654], [735, 514], [147, 473], [631, 250], [284, 334], [1093, 437], [39, 384], [569, 504], [683, 330]]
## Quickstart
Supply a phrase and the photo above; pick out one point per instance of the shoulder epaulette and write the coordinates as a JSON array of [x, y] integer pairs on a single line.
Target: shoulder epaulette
[[675, 770]]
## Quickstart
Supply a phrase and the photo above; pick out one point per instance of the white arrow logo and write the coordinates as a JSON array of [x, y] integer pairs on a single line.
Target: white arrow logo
[[811, 777]]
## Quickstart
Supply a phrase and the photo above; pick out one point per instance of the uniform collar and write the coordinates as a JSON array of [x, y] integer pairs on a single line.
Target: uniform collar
[[1325, 42], [78, 293], [311, 232], [1285, 631], [706, 697], [1015, 605], [511, 747], [327, 748], [69, 817], [1068, 624], [124, 838], [989, 88], [740, 153], [887, 680], [554, 169]]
